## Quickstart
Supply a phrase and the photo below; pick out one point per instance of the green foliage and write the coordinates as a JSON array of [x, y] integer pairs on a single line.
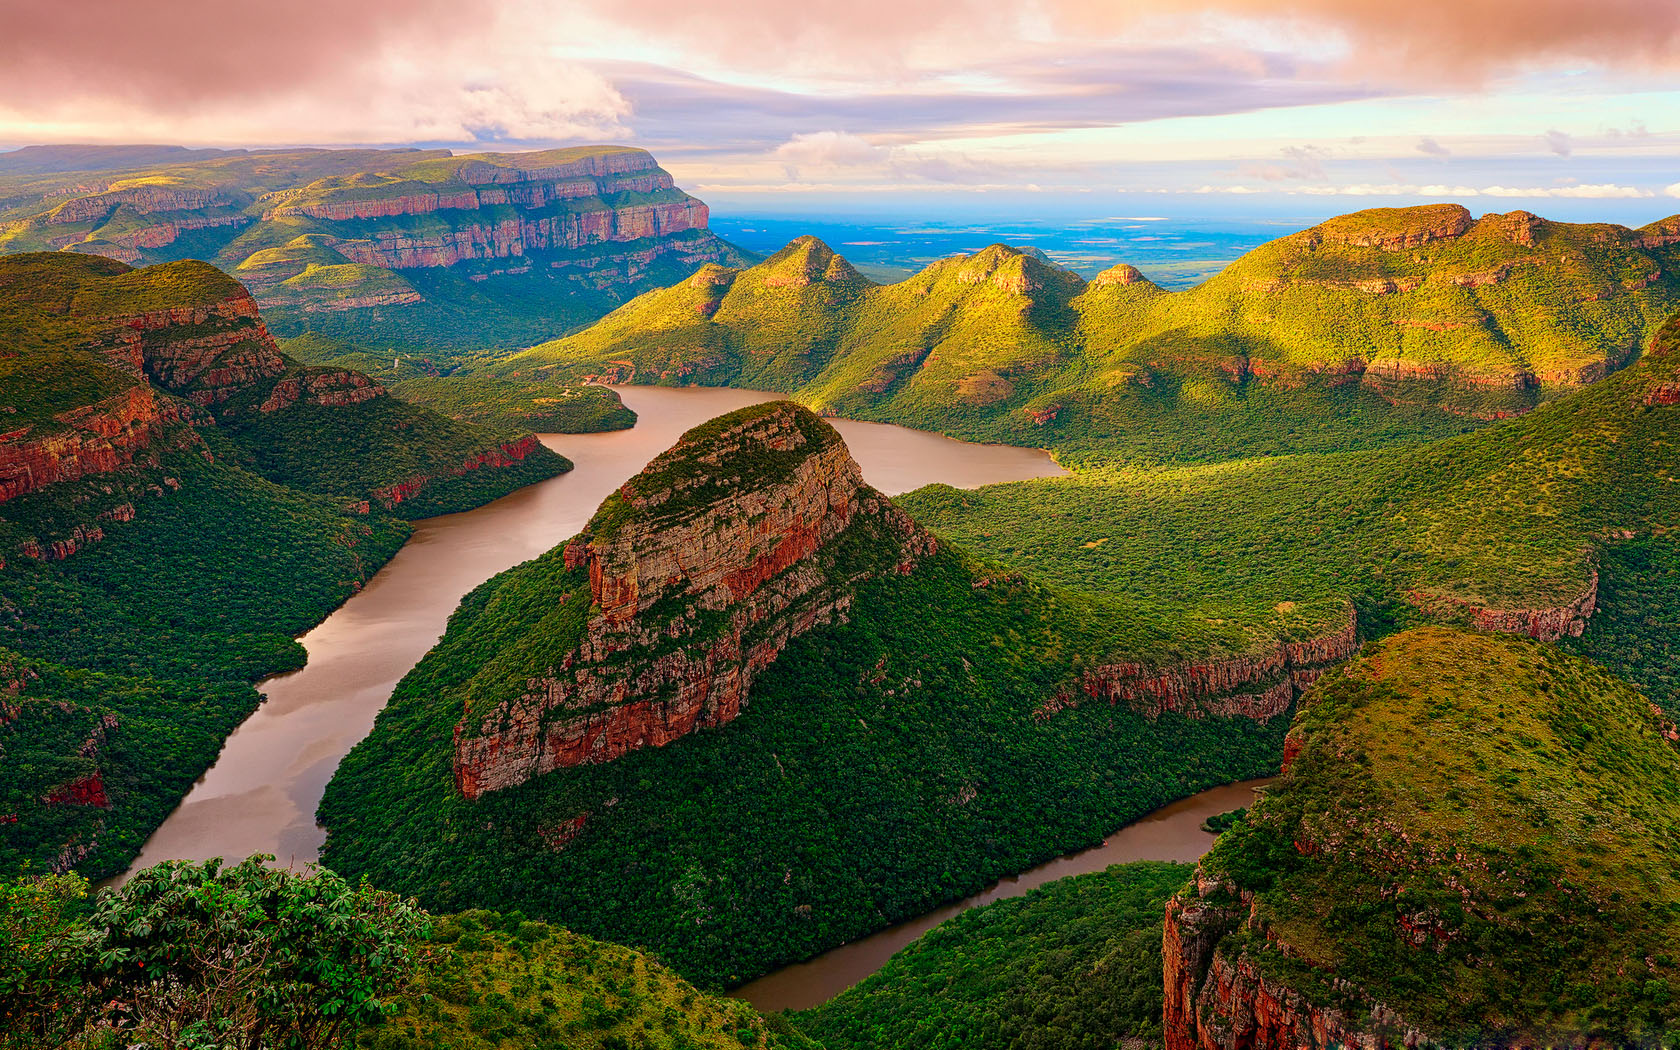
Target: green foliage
[[510, 405], [1318, 342], [44, 948], [1513, 517], [499, 981], [251, 956], [367, 450], [1478, 831], [883, 767], [1073, 965]]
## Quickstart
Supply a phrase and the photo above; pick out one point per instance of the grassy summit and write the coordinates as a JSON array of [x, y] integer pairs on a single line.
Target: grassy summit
[[1355, 332], [1478, 832]]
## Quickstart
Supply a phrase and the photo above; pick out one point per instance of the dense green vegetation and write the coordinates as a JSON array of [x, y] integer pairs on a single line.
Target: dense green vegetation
[[883, 767], [243, 957], [250, 957], [1513, 517], [511, 405], [1074, 965], [500, 981], [178, 611], [179, 578], [508, 406], [363, 451], [1322, 341], [1479, 832]]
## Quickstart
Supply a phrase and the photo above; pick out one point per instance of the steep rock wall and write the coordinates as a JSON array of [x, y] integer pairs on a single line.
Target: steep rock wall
[[1214, 1001], [699, 590], [1258, 686], [96, 439]]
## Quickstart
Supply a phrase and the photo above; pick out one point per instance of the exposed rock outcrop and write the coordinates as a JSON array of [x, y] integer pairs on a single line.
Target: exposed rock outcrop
[[1214, 1001], [1259, 686], [98, 438], [1545, 624], [504, 455], [700, 570]]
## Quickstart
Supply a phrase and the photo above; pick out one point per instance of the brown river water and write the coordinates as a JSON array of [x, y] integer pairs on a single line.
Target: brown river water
[[261, 794], [1173, 832]]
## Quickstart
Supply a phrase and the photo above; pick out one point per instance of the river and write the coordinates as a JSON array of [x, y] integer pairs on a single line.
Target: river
[[1173, 832], [261, 794]]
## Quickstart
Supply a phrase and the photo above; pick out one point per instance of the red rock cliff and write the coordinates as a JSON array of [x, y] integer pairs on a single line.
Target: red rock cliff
[[1258, 686], [700, 571], [1215, 999]]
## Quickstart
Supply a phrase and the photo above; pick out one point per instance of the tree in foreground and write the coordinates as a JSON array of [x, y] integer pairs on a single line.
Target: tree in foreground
[[199, 956]]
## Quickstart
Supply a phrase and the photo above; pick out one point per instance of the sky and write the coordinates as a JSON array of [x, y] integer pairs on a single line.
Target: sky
[[1571, 107]]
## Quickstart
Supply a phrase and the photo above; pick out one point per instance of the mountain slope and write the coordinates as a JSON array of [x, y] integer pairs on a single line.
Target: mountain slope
[[1372, 327], [722, 721], [1516, 527], [1472, 843], [152, 564], [414, 246]]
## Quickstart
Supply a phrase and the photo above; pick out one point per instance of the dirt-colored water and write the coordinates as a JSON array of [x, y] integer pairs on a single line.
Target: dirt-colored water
[[1171, 833], [261, 794]]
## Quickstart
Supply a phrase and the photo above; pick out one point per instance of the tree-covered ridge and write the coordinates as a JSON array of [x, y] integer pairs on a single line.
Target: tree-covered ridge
[[1520, 518], [1476, 832], [888, 761], [1073, 965], [497, 981], [178, 502], [1353, 333]]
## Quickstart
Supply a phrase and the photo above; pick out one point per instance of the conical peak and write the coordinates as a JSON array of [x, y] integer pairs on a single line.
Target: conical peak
[[806, 260], [1122, 274]]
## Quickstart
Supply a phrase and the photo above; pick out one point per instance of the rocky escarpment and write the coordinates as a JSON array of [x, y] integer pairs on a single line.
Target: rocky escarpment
[[95, 439], [504, 455], [1219, 1000], [1409, 878], [1546, 624], [1258, 686], [754, 529]]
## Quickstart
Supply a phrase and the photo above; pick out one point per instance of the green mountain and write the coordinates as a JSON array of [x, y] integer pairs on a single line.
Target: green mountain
[[1472, 844], [1370, 328], [178, 501], [721, 722], [406, 247]]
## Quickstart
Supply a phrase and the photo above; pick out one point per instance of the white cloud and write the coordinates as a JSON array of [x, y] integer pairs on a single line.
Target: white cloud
[[1673, 191]]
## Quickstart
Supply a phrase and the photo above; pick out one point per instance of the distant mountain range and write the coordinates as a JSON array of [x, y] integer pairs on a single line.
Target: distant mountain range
[[390, 245], [1425, 307]]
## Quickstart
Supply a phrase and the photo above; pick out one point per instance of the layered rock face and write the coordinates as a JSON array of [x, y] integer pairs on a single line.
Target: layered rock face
[[96, 439], [1259, 686], [1214, 1001], [606, 217], [1546, 624], [699, 572]]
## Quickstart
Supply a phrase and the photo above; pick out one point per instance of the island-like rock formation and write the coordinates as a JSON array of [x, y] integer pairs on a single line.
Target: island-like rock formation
[[752, 530]]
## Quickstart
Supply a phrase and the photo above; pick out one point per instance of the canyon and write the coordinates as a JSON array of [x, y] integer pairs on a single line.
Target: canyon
[[335, 231]]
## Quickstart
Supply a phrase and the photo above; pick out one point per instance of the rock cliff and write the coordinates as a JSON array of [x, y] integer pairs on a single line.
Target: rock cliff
[[1259, 686], [1408, 879], [332, 231], [752, 530]]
